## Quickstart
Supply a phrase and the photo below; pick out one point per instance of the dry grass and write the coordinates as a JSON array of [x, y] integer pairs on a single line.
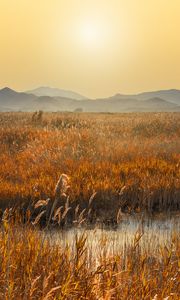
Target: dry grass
[[115, 164], [32, 267], [101, 153]]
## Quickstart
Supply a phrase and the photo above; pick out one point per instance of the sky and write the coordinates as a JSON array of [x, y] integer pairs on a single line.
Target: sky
[[95, 47]]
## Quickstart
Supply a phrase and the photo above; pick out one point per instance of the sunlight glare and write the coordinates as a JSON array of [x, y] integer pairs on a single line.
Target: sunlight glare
[[92, 34]]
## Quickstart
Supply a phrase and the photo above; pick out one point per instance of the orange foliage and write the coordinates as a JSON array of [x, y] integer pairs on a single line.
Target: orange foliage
[[100, 152]]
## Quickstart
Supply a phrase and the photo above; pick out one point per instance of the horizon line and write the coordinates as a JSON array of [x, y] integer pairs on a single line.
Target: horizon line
[[69, 90]]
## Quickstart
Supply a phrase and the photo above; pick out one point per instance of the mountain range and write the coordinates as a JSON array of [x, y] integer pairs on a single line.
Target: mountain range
[[53, 99], [54, 92]]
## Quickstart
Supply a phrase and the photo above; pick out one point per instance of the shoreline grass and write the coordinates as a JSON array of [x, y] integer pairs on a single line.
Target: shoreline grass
[[32, 267]]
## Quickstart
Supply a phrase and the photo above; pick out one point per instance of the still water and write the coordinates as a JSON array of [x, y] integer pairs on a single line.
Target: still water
[[156, 232]]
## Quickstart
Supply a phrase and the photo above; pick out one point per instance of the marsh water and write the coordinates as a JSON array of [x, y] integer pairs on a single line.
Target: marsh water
[[156, 232]]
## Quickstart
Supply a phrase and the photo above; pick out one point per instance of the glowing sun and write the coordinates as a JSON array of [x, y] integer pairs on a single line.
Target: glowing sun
[[92, 34]]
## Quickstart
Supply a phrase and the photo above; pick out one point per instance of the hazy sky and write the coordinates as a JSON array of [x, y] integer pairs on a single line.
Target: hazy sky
[[95, 47]]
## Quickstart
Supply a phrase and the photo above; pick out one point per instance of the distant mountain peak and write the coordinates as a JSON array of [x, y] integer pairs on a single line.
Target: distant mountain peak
[[8, 91], [118, 95], [55, 92]]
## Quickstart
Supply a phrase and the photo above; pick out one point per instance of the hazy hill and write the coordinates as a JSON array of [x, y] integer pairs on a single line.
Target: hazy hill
[[172, 95], [54, 92], [168, 95], [156, 105], [47, 103], [128, 105], [11, 100]]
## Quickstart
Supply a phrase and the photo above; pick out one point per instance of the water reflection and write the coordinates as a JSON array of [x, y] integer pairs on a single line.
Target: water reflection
[[155, 232]]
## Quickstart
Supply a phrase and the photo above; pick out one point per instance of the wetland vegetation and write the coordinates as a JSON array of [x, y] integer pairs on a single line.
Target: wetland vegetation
[[89, 206]]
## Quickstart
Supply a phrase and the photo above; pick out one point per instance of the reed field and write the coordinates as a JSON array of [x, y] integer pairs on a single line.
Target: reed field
[[71, 185], [35, 267], [127, 161]]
